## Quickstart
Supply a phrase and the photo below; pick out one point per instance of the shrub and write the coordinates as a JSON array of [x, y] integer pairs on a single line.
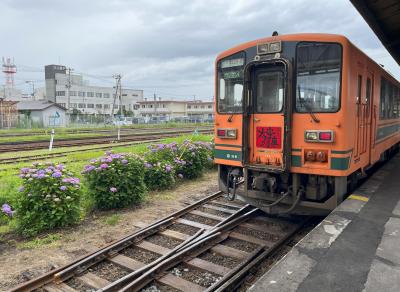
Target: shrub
[[49, 198], [161, 152], [189, 163], [115, 180], [159, 176]]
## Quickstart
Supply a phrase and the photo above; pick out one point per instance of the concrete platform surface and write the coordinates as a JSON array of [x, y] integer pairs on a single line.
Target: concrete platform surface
[[355, 248]]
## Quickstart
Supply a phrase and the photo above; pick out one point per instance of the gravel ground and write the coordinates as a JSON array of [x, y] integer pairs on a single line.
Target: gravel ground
[[240, 244], [140, 254], [78, 285], [255, 233], [182, 228], [212, 211], [158, 287], [199, 277], [273, 226], [109, 271], [164, 241], [218, 259], [200, 219]]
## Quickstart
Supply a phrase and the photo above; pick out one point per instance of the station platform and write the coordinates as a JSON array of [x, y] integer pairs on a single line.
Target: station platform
[[355, 248]]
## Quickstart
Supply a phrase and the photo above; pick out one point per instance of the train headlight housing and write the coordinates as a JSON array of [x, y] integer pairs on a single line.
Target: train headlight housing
[[318, 136], [227, 133]]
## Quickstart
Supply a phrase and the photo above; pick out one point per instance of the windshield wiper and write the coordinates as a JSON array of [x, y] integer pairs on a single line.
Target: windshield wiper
[[306, 106]]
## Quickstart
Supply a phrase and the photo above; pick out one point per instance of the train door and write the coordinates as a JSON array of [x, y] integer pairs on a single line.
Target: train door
[[363, 114], [370, 118], [359, 119], [267, 120]]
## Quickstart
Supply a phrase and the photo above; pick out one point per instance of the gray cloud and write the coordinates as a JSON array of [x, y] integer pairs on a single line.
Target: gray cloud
[[163, 46]]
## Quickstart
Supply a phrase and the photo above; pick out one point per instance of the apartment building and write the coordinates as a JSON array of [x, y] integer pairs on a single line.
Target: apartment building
[[72, 89], [176, 109]]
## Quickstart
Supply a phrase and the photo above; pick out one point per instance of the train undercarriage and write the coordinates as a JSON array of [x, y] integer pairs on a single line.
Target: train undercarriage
[[291, 193]]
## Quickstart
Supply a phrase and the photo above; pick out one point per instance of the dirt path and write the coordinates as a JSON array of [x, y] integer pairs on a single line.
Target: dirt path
[[19, 264]]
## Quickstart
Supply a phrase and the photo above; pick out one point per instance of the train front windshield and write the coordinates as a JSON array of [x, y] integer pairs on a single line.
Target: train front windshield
[[230, 84], [318, 71]]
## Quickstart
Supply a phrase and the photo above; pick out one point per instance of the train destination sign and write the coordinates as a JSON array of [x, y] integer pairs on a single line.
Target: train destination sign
[[232, 63]]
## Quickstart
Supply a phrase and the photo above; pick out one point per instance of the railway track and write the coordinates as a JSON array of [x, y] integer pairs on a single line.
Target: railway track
[[24, 146], [208, 246], [111, 130]]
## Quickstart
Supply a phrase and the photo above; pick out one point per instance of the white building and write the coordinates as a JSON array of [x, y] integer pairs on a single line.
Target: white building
[[85, 98], [177, 109], [43, 113]]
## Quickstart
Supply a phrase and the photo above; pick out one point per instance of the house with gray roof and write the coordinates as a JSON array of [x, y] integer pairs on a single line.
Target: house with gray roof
[[43, 113]]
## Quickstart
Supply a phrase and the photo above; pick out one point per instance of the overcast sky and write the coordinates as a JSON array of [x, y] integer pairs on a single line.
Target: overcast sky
[[164, 47]]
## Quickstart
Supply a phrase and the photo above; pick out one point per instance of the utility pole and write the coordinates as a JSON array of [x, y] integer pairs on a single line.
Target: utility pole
[[33, 87], [117, 78], [68, 86]]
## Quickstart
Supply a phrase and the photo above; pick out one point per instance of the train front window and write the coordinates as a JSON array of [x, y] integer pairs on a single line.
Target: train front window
[[318, 71], [269, 97], [230, 84]]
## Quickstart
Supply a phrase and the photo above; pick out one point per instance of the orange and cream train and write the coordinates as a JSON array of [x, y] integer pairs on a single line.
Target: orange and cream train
[[300, 118]]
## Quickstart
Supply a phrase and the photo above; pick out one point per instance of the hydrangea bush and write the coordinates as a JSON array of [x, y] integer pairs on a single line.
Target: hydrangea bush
[[115, 180], [48, 198], [159, 175]]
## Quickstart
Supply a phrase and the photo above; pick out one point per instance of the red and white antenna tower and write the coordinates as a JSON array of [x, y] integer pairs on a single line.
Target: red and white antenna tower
[[9, 69]]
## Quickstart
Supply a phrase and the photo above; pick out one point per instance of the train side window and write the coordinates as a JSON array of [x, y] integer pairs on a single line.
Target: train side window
[[359, 89], [382, 99], [368, 95]]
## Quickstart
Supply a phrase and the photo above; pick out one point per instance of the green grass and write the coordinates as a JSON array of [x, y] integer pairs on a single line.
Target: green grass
[[112, 220], [49, 240]]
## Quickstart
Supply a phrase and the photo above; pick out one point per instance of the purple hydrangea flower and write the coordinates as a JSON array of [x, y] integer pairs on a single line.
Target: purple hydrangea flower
[[56, 174], [148, 165], [180, 175], [40, 175], [103, 165], [25, 170], [124, 161], [21, 189], [6, 208], [113, 189], [89, 168], [108, 159], [60, 167], [108, 152], [63, 188], [168, 168]]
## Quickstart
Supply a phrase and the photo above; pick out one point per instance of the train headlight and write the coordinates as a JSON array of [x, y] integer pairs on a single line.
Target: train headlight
[[311, 136], [231, 133]]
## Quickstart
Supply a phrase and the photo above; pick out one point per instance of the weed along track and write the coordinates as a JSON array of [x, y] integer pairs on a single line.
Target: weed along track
[[207, 246]]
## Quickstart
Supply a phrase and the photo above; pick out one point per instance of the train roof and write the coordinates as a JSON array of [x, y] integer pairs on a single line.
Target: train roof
[[323, 37]]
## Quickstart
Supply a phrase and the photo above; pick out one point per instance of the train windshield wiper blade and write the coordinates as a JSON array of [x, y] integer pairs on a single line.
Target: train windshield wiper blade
[[307, 106]]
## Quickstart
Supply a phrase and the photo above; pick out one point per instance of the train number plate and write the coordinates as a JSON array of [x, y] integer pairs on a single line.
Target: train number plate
[[268, 137]]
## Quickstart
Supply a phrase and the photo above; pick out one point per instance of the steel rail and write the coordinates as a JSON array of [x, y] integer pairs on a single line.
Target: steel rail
[[195, 248]]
